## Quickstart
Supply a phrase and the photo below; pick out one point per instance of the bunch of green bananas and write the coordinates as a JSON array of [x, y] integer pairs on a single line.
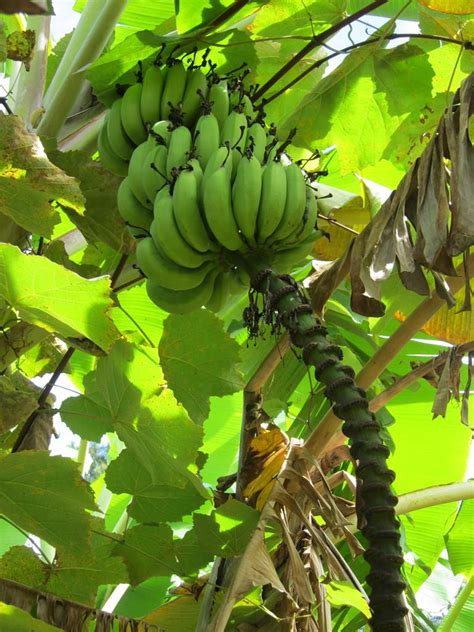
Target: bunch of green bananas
[[169, 91], [208, 185]]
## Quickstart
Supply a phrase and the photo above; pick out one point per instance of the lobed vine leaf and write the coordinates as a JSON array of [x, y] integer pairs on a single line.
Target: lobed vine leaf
[[199, 361], [45, 495]]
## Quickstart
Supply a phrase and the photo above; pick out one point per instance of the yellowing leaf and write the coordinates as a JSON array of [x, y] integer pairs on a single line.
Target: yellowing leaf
[[271, 467], [29, 182], [267, 441], [458, 7]]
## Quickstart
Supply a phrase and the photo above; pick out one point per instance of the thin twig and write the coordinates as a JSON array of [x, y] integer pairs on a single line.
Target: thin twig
[[347, 49], [329, 220], [118, 270], [314, 43], [42, 399]]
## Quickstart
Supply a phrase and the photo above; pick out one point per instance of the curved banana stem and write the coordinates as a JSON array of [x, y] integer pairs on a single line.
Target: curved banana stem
[[284, 303]]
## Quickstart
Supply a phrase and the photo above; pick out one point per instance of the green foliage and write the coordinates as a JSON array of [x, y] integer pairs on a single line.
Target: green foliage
[[199, 361], [46, 294], [164, 394], [46, 496]]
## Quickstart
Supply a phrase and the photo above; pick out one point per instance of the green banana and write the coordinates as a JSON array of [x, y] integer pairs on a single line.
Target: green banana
[[178, 148], [220, 158], [161, 131], [272, 201], [246, 106], [164, 231], [310, 216], [217, 203], [196, 90], [156, 266], [173, 91], [294, 205], [130, 114], [234, 133], [219, 99], [220, 293], [154, 177], [184, 301], [135, 214], [150, 103], [246, 192], [118, 139], [206, 138], [287, 259], [135, 171], [194, 165], [257, 141], [187, 212], [108, 157]]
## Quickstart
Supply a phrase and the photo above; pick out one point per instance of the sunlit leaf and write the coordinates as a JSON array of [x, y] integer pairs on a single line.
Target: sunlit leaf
[[199, 361], [227, 530], [48, 295], [343, 593], [457, 7], [17, 620], [459, 542], [46, 496]]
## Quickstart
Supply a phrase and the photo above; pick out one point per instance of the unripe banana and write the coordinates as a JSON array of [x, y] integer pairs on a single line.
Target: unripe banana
[[187, 212], [136, 169], [108, 157], [164, 232], [220, 293], [131, 116], [246, 106], [295, 256], [173, 91], [234, 132], [178, 148], [308, 224], [206, 138], [194, 165], [219, 97], [257, 141], [135, 215], [272, 201], [154, 171], [218, 210], [150, 103], [295, 203], [196, 90], [117, 137], [156, 266], [246, 192], [222, 157], [161, 131], [185, 301]]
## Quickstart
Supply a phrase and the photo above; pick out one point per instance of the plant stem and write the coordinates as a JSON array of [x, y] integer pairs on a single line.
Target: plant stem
[[72, 78], [457, 606], [84, 138], [28, 92], [82, 455], [316, 41], [89, 15], [376, 501], [42, 399]]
